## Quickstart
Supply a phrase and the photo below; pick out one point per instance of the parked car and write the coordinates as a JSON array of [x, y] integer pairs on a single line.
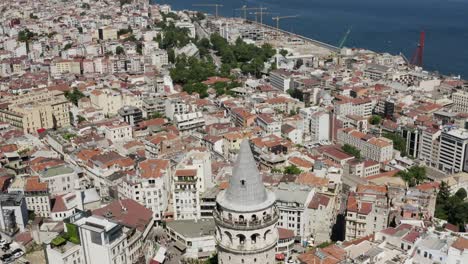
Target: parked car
[[5, 256], [6, 247], [18, 253]]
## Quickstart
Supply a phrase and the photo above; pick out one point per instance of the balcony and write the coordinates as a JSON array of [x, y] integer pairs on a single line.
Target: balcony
[[246, 225]]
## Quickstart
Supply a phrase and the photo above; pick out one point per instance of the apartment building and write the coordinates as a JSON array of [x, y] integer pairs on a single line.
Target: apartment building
[[192, 178], [376, 148], [175, 106], [453, 153], [186, 195], [460, 101], [13, 213], [118, 131], [37, 110], [316, 123], [321, 216], [367, 211], [429, 146], [281, 79], [292, 201], [187, 123], [60, 179], [37, 196], [150, 186], [269, 124], [353, 106], [63, 66], [111, 101]]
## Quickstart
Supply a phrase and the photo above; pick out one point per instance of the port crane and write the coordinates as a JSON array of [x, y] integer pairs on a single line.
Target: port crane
[[278, 18], [261, 15], [211, 5], [344, 39], [417, 58], [245, 9]]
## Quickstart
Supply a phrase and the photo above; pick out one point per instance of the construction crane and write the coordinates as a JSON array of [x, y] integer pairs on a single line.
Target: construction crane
[[211, 5], [278, 18], [417, 58], [261, 15], [344, 39], [245, 9]]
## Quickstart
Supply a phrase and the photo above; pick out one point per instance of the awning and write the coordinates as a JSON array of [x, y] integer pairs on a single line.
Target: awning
[[280, 256], [160, 255], [180, 246]]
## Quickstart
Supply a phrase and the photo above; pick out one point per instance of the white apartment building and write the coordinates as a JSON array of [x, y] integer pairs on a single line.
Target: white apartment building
[[60, 179], [429, 146], [320, 218], [316, 123], [158, 58], [281, 79], [269, 124], [111, 101], [150, 186], [192, 178], [186, 195], [354, 106], [102, 241], [37, 198], [367, 213], [187, 123], [453, 156], [292, 201], [189, 26], [118, 131], [13, 212], [378, 149], [175, 106], [460, 101]]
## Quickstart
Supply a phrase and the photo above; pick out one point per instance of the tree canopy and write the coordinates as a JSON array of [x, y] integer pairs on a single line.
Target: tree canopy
[[399, 143], [375, 120], [452, 208], [74, 96], [413, 176], [292, 169], [351, 151]]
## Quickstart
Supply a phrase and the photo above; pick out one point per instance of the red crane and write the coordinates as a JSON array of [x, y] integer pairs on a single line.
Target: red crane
[[417, 58]]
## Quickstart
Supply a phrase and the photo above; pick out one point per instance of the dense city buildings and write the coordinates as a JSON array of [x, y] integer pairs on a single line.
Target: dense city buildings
[[134, 133]]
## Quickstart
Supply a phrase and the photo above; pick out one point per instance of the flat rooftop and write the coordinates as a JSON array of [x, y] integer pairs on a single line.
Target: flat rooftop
[[192, 228], [57, 170]]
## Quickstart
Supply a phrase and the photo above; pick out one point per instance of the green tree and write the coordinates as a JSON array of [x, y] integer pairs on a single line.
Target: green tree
[[283, 52], [292, 169], [375, 120], [139, 48], [74, 96], [119, 50], [461, 194], [296, 93], [413, 176], [81, 119], [399, 143], [351, 151], [199, 88]]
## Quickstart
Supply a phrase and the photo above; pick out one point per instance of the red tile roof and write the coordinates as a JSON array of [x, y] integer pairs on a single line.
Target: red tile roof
[[317, 200], [186, 173], [460, 244], [127, 212], [285, 233], [34, 185], [153, 168]]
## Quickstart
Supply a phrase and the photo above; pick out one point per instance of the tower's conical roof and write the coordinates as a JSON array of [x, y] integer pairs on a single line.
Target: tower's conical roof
[[245, 186]]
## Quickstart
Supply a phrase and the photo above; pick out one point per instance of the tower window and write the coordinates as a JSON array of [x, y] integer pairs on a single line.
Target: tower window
[[243, 182]]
